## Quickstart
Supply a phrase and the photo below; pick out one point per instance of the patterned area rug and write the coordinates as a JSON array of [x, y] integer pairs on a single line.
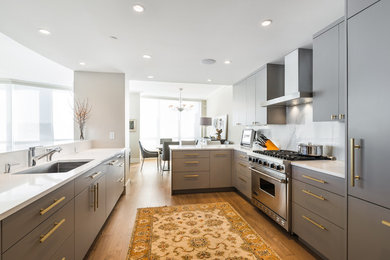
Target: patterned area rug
[[198, 231]]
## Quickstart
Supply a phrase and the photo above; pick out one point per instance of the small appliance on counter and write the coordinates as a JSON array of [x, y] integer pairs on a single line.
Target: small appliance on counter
[[247, 138]]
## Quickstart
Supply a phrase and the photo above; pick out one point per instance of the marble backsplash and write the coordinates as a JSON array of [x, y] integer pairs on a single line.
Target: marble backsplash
[[300, 128]]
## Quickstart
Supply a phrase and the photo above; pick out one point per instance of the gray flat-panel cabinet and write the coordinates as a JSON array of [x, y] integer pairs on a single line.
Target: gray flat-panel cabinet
[[368, 230], [239, 103], [250, 104], [114, 184], [329, 74], [221, 169], [90, 214], [355, 6], [368, 103], [261, 96]]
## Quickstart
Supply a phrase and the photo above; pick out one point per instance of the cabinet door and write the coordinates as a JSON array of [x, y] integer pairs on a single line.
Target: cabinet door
[[114, 186], [355, 6], [368, 230], [368, 102], [261, 96], [90, 215], [250, 104], [342, 70], [220, 169], [326, 75], [239, 107]]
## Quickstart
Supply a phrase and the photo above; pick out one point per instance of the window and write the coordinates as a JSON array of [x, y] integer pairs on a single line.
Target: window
[[159, 120], [32, 115]]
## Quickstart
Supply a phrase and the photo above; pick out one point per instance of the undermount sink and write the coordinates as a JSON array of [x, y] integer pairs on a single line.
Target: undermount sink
[[55, 167]]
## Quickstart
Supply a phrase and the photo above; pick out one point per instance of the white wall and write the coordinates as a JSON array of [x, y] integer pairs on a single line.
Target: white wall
[[220, 102], [106, 93], [19, 62], [134, 136]]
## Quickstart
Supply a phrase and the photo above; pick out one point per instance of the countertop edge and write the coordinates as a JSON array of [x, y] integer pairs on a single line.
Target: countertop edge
[[318, 169]]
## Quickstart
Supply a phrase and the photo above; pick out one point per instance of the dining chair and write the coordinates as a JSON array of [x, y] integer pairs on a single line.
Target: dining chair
[[147, 154], [166, 155], [162, 140]]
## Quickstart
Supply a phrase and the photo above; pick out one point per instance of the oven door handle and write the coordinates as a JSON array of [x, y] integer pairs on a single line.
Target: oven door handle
[[269, 176]]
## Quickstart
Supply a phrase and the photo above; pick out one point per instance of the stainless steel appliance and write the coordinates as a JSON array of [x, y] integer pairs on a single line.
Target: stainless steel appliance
[[247, 138], [271, 182]]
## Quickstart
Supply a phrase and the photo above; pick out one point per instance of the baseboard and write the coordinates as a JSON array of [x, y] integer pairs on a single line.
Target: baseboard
[[202, 190]]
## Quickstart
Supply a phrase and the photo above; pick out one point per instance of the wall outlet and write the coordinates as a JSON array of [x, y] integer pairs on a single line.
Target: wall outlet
[[111, 135]]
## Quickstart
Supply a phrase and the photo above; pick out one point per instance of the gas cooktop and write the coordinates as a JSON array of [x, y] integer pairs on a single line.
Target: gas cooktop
[[289, 155]]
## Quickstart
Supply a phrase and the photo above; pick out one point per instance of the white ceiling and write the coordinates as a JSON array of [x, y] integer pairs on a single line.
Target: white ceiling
[[177, 33]]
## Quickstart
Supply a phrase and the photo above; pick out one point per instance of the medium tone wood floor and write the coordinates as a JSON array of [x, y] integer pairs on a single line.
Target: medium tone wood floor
[[150, 189]]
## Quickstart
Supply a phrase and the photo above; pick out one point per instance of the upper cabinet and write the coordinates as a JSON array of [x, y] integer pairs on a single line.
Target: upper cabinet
[[329, 73], [248, 95]]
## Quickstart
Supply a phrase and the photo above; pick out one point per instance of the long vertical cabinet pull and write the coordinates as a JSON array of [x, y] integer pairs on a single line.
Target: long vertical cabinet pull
[[97, 195], [352, 166], [94, 197]]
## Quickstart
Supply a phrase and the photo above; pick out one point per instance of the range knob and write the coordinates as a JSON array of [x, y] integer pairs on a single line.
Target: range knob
[[259, 161], [265, 163], [272, 165], [254, 160], [250, 159]]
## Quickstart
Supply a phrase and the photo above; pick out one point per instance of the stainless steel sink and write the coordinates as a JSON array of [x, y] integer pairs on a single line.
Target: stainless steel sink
[[55, 167]]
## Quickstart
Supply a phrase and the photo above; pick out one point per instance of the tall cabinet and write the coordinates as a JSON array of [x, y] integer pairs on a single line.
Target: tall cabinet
[[368, 131], [329, 73]]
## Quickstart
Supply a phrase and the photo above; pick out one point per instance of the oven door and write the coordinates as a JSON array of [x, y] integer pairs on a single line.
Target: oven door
[[271, 190]]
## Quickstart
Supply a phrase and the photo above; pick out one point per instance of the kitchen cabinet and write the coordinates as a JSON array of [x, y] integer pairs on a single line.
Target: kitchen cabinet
[[329, 73], [251, 92], [368, 230], [368, 104], [90, 215], [355, 6], [241, 177], [114, 181], [221, 169]]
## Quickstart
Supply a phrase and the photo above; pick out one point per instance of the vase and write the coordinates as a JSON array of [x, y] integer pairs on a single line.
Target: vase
[[81, 127]]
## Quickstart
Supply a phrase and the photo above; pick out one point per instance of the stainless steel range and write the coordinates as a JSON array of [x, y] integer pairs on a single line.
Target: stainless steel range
[[271, 182]]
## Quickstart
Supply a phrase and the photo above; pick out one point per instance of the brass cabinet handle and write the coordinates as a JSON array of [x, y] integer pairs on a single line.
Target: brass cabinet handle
[[341, 116], [386, 223], [63, 258], [51, 231], [191, 176], [313, 222], [313, 179], [220, 154], [353, 146], [333, 117], [121, 179], [243, 165], [242, 156], [314, 195], [121, 164], [191, 154], [56, 202], [93, 176], [120, 156], [94, 197], [191, 162], [97, 195], [242, 179]]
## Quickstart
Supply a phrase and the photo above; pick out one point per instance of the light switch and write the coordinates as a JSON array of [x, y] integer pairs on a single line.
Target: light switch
[[111, 135]]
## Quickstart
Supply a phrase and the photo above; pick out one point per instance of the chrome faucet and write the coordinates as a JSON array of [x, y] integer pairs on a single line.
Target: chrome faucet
[[32, 158]]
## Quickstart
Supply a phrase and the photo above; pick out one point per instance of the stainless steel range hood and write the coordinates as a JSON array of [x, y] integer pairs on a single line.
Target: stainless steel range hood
[[298, 80]]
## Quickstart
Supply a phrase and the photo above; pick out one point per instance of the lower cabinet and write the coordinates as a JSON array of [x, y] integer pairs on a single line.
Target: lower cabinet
[[90, 215], [241, 176], [114, 183], [221, 169], [368, 230], [66, 251]]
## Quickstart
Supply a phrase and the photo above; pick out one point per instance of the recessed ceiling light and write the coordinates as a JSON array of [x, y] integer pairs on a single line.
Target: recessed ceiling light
[[146, 56], [208, 61], [266, 23], [209, 80], [82, 63], [227, 61], [114, 37], [44, 31], [138, 8], [150, 77]]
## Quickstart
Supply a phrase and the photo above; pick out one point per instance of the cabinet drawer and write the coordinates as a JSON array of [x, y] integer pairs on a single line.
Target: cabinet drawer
[[22, 222], [190, 165], [240, 156], [90, 176], [187, 181], [325, 237], [66, 251], [326, 204], [243, 170], [320, 180], [43, 242], [244, 185], [368, 230], [190, 154]]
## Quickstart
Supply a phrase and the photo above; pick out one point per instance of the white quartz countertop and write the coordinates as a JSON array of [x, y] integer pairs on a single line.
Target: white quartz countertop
[[209, 147], [20, 190], [335, 168]]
